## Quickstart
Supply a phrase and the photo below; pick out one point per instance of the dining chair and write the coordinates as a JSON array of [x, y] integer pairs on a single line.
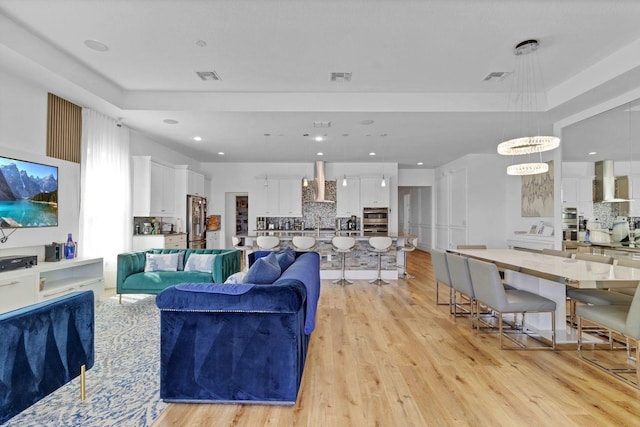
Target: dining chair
[[441, 273], [489, 291], [627, 262], [471, 247], [556, 252], [594, 296], [461, 283], [623, 319], [267, 243]]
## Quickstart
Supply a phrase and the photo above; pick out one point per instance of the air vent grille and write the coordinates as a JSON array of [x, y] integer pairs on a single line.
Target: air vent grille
[[208, 76], [340, 77], [319, 124], [496, 76]]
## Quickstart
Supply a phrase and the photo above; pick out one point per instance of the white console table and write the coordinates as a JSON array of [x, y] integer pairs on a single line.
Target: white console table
[[47, 280]]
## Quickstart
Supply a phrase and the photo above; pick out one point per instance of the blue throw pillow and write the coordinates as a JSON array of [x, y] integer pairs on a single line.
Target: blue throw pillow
[[285, 258], [264, 271]]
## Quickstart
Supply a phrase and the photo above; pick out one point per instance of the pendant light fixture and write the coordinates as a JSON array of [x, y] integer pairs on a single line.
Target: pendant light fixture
[[383, 183], [526, 103], [344, 180]]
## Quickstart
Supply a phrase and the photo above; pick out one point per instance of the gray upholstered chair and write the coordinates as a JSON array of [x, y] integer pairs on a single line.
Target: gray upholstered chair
[[343, 245], [441, 273], [594, 296], [628, 262], [471, 247], [555, 252], [410, 245], [460, 282], [624, 319], [488, 290], [380, 245]]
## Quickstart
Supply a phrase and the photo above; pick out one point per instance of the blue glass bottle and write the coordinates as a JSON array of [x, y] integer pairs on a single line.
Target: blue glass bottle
[[69, 248]]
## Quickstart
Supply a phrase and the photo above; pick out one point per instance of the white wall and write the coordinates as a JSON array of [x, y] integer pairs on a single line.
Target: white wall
[[23, 124]]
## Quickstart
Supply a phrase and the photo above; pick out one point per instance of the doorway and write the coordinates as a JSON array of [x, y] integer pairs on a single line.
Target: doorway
[[236, 217], [415, 214]]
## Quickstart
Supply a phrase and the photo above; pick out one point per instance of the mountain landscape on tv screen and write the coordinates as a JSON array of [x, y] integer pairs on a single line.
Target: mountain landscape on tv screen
[[27, 200]]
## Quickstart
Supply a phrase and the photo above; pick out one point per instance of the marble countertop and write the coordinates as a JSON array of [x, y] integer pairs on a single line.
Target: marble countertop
[[576, 273], [322, 235]]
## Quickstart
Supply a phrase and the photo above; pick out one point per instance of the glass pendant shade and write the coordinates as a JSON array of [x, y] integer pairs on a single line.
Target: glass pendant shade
[[527, 169], [305, 182], [344, 181], [383, 183]]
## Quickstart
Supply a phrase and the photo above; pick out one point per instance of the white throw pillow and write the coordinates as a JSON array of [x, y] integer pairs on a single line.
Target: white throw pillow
[[200, 262], [236, 278], [161, 262]]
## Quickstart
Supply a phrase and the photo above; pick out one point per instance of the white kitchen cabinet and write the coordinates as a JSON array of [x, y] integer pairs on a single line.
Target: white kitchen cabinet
[[578, 192], [373, 194], [159, 241], [154, 190], [348, 198], [266, 197], [213, 240], [195, 183], [290, 197]]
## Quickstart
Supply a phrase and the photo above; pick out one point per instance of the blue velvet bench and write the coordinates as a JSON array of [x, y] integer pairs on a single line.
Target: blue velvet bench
[[42, 347], [242, 343]]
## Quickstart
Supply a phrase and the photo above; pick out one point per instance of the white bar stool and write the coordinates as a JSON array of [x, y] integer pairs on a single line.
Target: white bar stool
[[267, 243], [342, 245], [380, 244], [304, 243], [237, 244], [410, 246]]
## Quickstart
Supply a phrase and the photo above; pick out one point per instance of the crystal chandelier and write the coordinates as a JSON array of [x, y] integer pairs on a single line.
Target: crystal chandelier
[[525, 81]]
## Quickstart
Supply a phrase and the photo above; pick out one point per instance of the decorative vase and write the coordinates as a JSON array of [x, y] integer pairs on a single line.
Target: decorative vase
[[69, 248]]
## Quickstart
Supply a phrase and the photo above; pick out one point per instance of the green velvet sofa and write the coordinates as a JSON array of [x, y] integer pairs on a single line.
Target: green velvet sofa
[[132, 279]]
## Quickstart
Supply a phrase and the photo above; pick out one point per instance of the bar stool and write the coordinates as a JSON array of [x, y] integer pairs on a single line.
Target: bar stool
[[342, 245], [410, 246], [237, 244], [267, 243], [380, 244], [304, 243]]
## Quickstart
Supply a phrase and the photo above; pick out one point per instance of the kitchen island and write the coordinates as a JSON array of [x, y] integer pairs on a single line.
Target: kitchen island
[[359, 264]]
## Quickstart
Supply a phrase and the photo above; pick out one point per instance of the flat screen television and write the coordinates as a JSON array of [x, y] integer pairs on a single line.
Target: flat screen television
[[28, 194]]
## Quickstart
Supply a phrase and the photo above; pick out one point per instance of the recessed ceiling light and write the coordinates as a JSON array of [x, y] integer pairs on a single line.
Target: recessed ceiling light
[[366, 122], [318, 138], [201, 43], [591, 153], [420, 163], [197, 138], [320, 153], [171, 121], [372, 153], [220, 153], [96, 45]]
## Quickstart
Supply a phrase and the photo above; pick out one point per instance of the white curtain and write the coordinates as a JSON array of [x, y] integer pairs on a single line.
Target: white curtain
[[105, 196]]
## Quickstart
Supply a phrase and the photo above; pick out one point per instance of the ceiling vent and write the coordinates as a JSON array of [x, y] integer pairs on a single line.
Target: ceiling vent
[[496, 76], [340, 77], [318, 124], [208, 76]]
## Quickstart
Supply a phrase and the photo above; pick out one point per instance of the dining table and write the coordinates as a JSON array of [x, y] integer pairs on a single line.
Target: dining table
[[549, 276]]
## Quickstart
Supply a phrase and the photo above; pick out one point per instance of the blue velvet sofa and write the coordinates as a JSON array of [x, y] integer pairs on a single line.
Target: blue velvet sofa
[[42, 347], [132, 279], [238, 343]]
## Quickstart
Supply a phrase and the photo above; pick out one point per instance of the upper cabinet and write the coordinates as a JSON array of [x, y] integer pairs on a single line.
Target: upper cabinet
[[195, 183], [348, 198], [154, 192], [373, 194], [578, 192], [278, 197]]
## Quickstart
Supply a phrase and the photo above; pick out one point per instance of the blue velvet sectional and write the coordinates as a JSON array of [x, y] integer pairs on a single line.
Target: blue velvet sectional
[[239, 343], [132, 279], [42, 347]]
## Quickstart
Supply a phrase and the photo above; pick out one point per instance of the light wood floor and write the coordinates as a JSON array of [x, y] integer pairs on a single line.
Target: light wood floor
[[388, 356]]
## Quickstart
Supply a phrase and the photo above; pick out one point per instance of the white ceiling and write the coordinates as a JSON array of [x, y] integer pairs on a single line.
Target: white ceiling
[[418, 69]]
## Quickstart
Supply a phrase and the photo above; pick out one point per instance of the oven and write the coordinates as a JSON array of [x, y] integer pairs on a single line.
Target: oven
[[375, 221]]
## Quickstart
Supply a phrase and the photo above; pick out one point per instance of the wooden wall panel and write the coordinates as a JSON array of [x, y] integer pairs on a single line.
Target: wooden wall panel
[[64, 129]]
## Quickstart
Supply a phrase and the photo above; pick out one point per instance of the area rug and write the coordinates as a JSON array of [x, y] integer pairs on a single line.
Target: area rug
[[123, 387]]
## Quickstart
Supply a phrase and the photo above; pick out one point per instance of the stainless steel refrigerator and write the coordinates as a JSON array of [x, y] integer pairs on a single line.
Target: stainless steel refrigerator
[[196, 222]]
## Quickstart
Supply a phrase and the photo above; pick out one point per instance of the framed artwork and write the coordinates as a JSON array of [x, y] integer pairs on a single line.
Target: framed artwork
[[537, 194]]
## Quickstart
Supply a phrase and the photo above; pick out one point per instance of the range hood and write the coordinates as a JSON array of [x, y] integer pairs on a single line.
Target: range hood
[[608, 188], [318, 185]]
